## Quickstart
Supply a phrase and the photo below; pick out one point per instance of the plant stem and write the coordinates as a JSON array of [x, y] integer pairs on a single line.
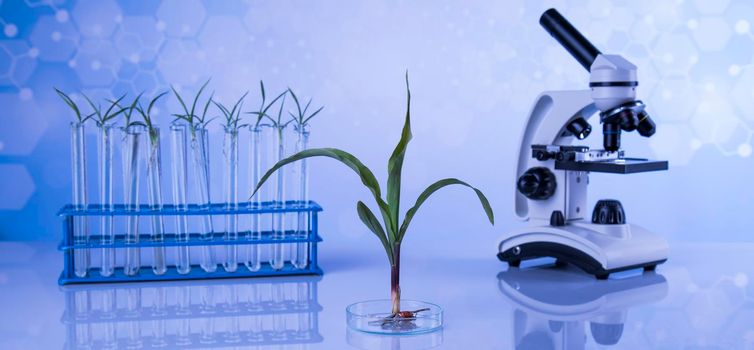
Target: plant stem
[[395, 269]]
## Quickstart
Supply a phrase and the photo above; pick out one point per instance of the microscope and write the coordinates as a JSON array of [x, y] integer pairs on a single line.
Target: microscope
[[559, 309], [553, 173]]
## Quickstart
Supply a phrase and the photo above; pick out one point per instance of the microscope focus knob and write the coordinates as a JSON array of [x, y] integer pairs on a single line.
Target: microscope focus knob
[[608, 212], [537, 183]]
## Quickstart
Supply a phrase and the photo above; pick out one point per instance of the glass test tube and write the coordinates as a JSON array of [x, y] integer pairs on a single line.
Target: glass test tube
[[131, 174], [81, 257], [252, 256], [200, 151], [180, 184], [277, 147], [230, 151], [105, 165], [301, 252], [154, 179]]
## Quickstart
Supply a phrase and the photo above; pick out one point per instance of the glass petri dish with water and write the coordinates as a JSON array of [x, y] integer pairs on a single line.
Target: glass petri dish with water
[[374, 316]]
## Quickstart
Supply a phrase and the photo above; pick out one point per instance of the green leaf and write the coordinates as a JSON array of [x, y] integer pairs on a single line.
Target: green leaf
[[263, 109], [154, 100], [238, 105], [70, 104], [96, 110], [196, 98], [366, 175], [280, 113], [180, 100], [306, 108], [116, 103], [90, 116], [204, 124], [223, 110], [312, 116], [395, 168], [206, 108], [295, 99], [371, 222], [432, 189]]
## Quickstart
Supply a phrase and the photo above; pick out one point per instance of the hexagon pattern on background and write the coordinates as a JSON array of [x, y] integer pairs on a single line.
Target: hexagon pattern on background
[[181, 18], [105, 48], [15, 193], [22, 114], [97, 18], [56, 40]]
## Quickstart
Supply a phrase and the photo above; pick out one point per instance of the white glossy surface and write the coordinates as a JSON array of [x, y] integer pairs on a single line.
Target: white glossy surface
[[702, 297]]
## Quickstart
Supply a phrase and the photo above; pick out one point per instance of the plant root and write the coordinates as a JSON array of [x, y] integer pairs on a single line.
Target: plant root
[[401, 321]]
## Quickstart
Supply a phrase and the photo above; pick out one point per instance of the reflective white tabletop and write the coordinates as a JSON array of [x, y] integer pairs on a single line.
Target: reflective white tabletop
[[702, 297]]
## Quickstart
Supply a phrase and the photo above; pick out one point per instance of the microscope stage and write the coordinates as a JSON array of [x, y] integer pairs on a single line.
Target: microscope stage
[[614, 166]]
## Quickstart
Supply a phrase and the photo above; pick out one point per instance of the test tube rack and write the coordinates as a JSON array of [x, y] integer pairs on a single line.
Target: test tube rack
[[197, 314], [71, 216]]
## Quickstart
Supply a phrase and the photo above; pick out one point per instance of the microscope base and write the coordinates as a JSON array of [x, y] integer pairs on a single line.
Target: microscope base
[[597, 249]]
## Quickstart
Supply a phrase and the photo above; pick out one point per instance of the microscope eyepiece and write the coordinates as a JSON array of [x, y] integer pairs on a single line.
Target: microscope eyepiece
[[569, 37]]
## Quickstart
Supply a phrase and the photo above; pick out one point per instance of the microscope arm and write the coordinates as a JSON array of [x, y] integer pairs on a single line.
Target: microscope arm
[[546, 125]]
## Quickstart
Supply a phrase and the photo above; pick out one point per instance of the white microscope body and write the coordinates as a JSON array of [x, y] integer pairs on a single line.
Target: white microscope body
[[553, 175]]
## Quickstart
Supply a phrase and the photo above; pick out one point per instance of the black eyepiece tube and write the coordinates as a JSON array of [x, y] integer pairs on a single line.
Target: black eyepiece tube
[[569, 37]]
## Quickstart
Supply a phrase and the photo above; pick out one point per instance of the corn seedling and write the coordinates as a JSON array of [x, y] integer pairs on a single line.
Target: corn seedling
[[301, 118], [76, 110], [195, 121], [233, 115], [112, 112], [264, 107], [278, 122], [146, 116], [392, 233]]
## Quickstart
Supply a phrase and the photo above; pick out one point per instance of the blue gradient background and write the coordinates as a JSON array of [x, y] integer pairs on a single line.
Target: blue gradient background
[[475, 68]]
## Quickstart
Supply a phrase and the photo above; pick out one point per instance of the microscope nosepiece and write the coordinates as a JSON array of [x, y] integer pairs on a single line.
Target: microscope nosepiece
[[629, 116]]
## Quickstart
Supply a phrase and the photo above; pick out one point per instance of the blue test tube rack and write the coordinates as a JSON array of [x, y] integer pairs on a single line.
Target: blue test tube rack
[[93, 244]]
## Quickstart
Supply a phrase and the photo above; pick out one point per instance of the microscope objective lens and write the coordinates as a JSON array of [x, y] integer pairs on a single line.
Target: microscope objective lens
[[611, 133]]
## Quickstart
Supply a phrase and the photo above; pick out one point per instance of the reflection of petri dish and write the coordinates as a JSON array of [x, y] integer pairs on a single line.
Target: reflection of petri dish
[[371, 317], [373, 341]]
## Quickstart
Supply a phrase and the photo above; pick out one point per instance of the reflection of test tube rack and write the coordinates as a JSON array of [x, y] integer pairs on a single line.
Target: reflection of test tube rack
[[189, 315]]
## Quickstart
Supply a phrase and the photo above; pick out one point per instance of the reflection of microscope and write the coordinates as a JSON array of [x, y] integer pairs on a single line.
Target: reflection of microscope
[[553, 174], [551, 307]]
